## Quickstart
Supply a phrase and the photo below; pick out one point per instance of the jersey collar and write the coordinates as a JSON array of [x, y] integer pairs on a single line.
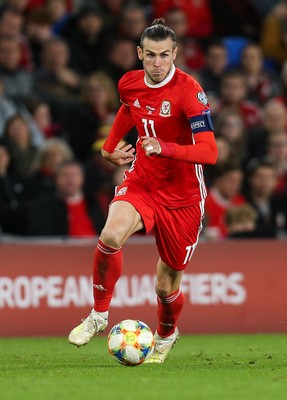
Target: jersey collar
[[164, 82]]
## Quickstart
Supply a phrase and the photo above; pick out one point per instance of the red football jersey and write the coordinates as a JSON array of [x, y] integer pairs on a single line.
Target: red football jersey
[[170, 110]]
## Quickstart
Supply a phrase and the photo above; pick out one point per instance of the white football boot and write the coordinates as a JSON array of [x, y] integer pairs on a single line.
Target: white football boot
[[90, 326], [162, 347]]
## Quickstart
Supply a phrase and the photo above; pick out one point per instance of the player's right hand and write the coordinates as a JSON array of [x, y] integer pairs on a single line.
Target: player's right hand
[[123, 154]]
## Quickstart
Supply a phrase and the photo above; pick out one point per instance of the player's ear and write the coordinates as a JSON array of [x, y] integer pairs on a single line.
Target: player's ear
[[174, 53], [140, 53]]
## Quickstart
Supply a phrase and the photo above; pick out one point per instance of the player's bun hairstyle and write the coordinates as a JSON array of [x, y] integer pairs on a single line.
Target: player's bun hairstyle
[[157, 32]]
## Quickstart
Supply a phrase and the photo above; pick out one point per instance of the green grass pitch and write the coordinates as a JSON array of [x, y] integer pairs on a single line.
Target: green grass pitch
[[219, 367]]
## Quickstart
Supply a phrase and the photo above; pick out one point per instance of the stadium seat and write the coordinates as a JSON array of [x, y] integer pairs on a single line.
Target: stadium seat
[[234, 46]]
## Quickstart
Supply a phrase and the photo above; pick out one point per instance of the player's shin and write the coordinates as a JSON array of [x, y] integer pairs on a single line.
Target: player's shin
[[169, 309], [108, 262]]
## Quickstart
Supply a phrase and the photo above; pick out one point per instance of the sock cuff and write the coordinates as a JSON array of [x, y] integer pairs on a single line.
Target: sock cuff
[[170, 298], [107, 249]]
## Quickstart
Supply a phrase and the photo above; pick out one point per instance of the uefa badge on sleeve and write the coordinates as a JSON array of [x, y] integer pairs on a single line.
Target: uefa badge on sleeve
[[165, 109], [201, 96]]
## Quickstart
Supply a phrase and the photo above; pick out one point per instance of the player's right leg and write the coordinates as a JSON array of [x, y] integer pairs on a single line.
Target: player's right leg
[[123, 220]]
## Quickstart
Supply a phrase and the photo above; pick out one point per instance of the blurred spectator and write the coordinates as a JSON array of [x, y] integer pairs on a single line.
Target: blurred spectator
[[58, 10], [241, 222], [87, 40], [53, 153], [274, 120], [20, 6], [42, 117], [122, 57], [7, 108], [261, 84], [132, 22], [224, 150], [235, 18], [18, 137], [274, 34], [111, 11], [38, 30], [12, 197], [270, 209], [24, 6], [230, 125], [11, 27], [200, 21], [100, 184], [264, 6], [180, 61], [17, 81], [277, 155], [224, 192], [233, 94], [67, 212], [55, 82], [283, 84], [225, 153], [190, 48], [215, 67], [77, 4], [91, 119], [34, 4], [101, 179]]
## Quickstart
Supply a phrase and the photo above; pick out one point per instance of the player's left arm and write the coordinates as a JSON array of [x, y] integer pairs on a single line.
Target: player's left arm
[[203, 151]]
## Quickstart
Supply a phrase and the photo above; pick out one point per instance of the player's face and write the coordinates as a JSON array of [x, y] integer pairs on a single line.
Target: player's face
[[157, 58]]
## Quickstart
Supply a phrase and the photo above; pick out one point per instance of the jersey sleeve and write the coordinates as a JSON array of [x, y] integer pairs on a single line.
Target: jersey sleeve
[[203, 150], [194, 101], [122, 124], [121, 90]]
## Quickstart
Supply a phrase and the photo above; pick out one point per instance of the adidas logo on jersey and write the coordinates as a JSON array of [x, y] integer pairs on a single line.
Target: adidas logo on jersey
[[137, 103], [99, 287]]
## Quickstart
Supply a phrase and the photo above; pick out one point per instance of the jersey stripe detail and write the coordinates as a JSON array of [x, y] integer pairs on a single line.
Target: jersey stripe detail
[[108, 250], [199, 175], [170, 298], [126, 104]]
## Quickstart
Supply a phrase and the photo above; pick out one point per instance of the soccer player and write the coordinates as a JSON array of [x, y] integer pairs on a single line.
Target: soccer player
[[164, 187]]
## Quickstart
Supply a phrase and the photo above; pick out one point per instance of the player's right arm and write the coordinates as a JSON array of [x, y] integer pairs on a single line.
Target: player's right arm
[[114, 149]]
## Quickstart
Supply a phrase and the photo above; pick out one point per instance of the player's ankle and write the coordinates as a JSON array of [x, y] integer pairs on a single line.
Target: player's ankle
[[103, 314]]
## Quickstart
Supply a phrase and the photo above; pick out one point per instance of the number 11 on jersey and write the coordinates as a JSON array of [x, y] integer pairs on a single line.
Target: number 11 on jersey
[[149, 123]]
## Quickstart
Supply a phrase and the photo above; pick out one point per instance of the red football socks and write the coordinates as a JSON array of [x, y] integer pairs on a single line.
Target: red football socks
[[169, 309], [108, 263]]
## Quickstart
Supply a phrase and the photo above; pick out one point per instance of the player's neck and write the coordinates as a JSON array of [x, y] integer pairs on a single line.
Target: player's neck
[[164, 82]]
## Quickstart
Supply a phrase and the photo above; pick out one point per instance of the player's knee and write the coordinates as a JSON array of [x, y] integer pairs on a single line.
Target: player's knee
[[161, 293], [162, 290], [112, 237]]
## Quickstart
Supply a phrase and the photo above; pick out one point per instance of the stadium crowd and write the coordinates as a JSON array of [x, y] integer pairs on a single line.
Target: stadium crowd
[[60, 62]]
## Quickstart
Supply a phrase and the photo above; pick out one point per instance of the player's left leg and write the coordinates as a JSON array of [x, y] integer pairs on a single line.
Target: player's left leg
[[170, 301], [177, 234]]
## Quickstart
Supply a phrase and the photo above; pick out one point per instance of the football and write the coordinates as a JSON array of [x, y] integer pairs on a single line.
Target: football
[[130, 342]]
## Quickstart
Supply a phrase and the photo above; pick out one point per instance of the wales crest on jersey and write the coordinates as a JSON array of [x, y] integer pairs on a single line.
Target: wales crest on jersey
[[165, 108]]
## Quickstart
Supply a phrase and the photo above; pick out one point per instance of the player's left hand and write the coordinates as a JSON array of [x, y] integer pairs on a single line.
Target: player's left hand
[[150, 145]]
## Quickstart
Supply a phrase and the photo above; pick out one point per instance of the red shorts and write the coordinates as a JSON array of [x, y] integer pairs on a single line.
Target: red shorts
[[176, 229]]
